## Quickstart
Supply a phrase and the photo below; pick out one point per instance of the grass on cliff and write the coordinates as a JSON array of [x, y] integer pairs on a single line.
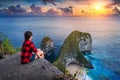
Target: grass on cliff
[[44, 40]]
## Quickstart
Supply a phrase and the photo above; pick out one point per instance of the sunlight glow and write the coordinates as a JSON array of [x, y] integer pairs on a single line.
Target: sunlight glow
[[95, 8], [99, 7]]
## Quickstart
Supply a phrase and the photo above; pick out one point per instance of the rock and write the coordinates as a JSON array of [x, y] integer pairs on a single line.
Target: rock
[[40, 69], [1, 56], [64, 77], [1, 50], [89, 66], [0, 42], [85, 44], [47, 45], [71, 50]]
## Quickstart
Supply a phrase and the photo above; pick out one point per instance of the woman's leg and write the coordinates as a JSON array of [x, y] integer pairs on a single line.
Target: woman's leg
[[33, 57]]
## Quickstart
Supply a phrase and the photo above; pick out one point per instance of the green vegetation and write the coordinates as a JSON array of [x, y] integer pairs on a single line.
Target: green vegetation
[[71, 48], [66, 72], [44, 41], [5, 46], [60, 65]]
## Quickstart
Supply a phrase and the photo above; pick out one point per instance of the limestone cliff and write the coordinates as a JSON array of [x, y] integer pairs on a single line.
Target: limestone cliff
[[72, 48]]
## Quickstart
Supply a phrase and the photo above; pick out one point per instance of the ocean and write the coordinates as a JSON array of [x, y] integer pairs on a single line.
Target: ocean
[[105, 32]]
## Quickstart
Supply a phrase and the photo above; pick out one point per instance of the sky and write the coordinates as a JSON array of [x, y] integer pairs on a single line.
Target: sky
[[60, 7]]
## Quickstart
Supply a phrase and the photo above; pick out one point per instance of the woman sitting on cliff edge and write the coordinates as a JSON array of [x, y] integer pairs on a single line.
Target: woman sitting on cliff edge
[[27, 49]]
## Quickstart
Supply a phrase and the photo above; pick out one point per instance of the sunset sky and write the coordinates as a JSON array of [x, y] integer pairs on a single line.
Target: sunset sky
[[61, 7]]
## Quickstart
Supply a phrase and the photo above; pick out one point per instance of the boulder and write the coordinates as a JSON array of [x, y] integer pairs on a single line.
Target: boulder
[[40, 69], [72, 48], [47, 45]]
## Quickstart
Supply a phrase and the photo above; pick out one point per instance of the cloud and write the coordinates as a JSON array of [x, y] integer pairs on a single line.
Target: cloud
[[52, 12], [7, 3], [109, 6], [79, 7], [49, 1], [16, 9], [116, 10], [35, 9], [116, 2], [113, 4], [67, 10], [76, 0]]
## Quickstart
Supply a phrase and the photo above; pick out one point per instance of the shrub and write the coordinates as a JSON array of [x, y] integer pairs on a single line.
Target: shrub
[[7, 48]]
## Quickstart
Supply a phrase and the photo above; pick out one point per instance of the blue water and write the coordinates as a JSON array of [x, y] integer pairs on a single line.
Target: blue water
[[105, 31]]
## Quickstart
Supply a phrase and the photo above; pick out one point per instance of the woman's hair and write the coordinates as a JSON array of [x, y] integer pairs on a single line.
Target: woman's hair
[[27, 35]]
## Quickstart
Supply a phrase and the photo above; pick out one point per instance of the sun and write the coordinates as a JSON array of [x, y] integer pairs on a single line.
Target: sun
[[98, 7]]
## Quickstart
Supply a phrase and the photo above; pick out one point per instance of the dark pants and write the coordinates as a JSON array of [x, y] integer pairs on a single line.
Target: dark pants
[[33, 57]]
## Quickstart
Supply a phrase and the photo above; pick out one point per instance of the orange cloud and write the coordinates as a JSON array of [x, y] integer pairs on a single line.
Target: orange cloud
[[92, 8]]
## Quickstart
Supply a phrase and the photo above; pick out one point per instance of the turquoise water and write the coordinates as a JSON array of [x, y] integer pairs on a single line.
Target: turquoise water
[[105, 33]]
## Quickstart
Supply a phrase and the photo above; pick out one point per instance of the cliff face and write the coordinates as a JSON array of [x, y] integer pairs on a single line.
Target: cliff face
[[40, 69], [72, 48], [47, 45]]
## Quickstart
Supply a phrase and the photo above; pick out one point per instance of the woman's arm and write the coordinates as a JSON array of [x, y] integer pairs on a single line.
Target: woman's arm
[[38, 52]]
